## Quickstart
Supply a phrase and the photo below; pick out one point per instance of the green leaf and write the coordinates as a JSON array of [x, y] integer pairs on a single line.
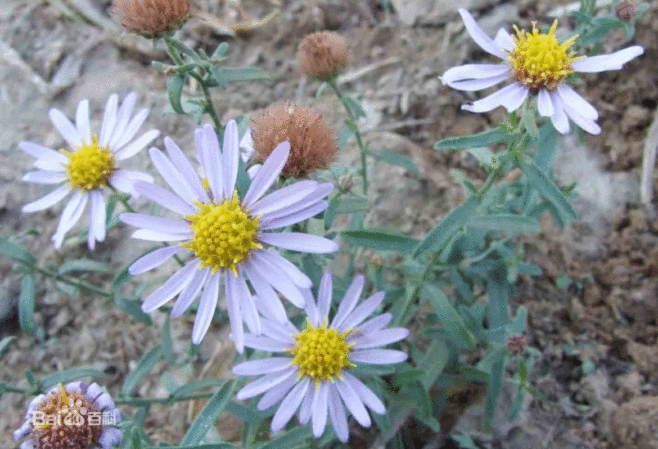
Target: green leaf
[[505, 222], [83, 265], [295, 438], [448, 315], [493, 392], [196, 385], [546, 148], [199, 446], [396, 159], [132, 308], [167, 343], [16, 251], [144, 366], [464, 441], [178, 45], [434, 362], [529, 121], [442, 232], [121, 278], [491, 137], [380, 241], [220, 51], [70, 375], [35, 384], [354, 106], [344, 136], [209, 414], [26, 304], [175, 90], [547, 188], [228, 75], [520, 321], [5, 342]]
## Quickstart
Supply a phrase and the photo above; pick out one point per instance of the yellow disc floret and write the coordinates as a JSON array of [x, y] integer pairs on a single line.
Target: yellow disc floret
[[90, 166], [224, 234], [321, 352], [539, 61]]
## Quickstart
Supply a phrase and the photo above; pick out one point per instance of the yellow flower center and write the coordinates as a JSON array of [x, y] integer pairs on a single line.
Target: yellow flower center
[[224, 234], [321, 353], [90, 166], [539, 61], [66, 419]]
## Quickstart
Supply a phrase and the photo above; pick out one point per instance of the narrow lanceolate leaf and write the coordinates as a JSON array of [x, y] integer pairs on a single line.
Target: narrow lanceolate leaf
[[202, 446], [484, 139], [5, 342], [548, 190], [380, 241], [493, 392], [209, 414], [442, 232], [145, 365], [519, 323], [396, 159], [26, 304], [175, 90], [70, 375], [505, 222], [167, 343], [83, 265], [16, 251], [295, 438], [448, 316]]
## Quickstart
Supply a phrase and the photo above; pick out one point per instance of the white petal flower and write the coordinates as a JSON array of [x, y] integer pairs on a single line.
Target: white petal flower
[[537, 64], [81, 412], [314, 375], [90, 165], [226, 234]]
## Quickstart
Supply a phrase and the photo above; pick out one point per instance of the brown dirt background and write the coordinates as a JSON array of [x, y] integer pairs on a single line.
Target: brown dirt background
[[598, 337]]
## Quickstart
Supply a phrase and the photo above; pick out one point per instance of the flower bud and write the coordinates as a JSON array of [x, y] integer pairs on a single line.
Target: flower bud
[[323, 55], [312, 145], [346, 182], [516, 344], [625, 11], [152, 18]]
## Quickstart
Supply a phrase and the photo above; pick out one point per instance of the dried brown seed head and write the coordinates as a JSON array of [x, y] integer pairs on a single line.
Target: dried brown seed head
[[625, 11], [312, 145], [323, 55], [152, 18], [64, 421]]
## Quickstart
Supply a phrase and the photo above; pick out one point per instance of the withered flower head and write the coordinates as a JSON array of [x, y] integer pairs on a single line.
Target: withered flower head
[[312, 145], [152, 18], [625, 11], [75, 416], [323, 55]]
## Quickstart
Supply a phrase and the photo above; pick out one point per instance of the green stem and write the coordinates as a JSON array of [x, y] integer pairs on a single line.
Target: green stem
[[178, 60], [79, 284], [211, 106], [4, 388], [169, 399], [357, 134]]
